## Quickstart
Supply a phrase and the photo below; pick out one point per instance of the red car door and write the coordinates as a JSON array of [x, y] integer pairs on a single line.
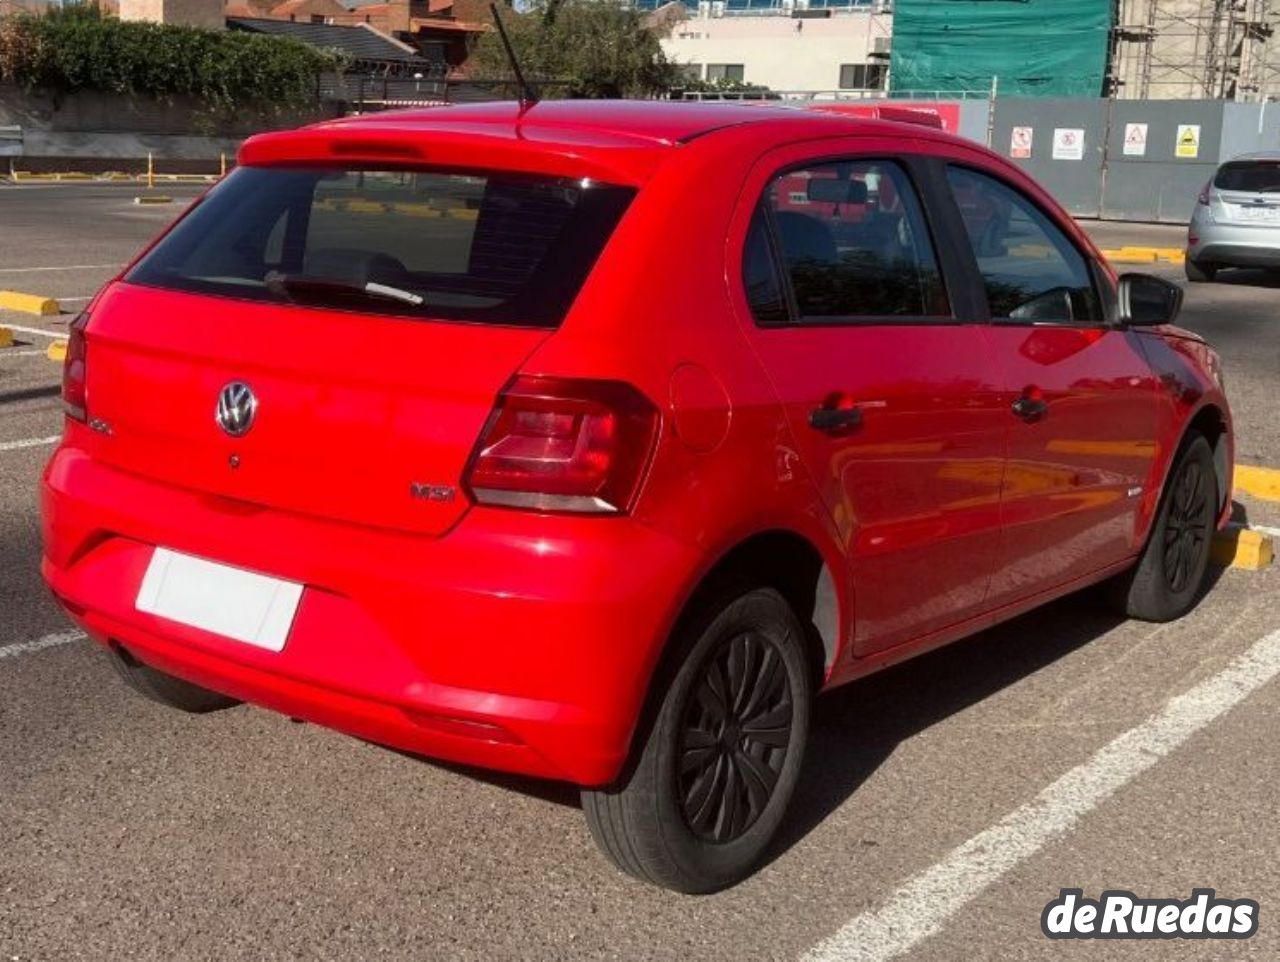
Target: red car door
[[1081, 399], [892, 400]]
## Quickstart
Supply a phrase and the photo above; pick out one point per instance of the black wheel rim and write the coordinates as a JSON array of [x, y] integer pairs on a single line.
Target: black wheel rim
[[734, 738], [1186, 532]]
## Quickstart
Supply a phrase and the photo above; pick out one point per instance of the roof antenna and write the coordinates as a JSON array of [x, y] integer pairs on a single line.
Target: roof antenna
[[528, 96]]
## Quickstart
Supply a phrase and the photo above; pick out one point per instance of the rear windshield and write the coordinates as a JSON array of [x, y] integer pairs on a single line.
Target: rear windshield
[[1258, 176], [483, 247]]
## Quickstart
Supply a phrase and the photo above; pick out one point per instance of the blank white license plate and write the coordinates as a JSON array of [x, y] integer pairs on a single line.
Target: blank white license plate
[[241, 605], [1260, 213]]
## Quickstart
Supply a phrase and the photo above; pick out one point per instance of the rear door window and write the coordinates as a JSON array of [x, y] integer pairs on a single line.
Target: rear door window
[[481, 247], [1030, 268], [854, 244]]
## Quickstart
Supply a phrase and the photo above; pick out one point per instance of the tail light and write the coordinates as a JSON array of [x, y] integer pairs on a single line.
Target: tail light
[[555, 444], [1203, 199], [75, 392]]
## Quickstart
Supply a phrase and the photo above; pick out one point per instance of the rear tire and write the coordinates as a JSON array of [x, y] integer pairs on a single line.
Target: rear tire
[[166, 689], [1199, 273], [1166, 582], [710, 782]]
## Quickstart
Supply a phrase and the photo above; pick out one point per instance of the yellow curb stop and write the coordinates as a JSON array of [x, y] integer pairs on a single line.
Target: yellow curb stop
[[29, 303], [6, 337], [1262, 483], [153, 199], [1240, 547], [57, 351]]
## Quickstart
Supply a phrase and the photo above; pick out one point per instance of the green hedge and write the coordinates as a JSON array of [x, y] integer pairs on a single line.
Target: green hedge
[[76, 48]]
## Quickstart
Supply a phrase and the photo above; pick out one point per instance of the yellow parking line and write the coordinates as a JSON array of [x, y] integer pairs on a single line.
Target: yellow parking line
[[1262, 483]]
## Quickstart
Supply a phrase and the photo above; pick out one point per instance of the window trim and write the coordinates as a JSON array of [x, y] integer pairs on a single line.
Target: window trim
[[909, 165], [1103, 293]]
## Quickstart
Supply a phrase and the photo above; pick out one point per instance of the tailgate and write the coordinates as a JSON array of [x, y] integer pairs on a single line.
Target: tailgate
[[356, 415]]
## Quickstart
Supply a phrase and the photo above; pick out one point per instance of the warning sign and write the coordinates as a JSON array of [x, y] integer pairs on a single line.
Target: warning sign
[[1020, 142], [1135, 140], [1068, 143], [1188, 143]]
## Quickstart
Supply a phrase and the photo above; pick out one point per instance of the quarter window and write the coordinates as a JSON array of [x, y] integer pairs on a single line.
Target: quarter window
[[1031, 270], [760, 275], [854, 243]]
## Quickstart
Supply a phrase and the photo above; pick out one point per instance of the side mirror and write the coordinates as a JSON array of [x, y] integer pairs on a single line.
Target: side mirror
[[1147, 301]]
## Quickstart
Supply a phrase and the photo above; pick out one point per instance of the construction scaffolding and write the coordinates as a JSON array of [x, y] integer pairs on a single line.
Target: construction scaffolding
[[1188, 49]]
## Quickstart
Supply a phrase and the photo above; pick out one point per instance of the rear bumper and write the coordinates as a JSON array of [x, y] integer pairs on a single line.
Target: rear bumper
[[514, 642], [1233, 245]]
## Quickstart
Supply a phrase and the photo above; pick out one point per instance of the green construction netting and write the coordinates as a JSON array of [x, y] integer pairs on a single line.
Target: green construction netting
[[1037, 48]]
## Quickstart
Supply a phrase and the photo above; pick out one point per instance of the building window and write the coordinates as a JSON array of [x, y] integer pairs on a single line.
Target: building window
[[731, 72], [862, 76]]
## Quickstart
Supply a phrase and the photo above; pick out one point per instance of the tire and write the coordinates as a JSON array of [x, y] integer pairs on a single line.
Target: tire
[[1199, 273], [672, 828], [1167, 581], [166, 689]]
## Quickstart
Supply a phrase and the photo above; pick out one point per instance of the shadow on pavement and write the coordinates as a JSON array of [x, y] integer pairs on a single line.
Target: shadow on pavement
[[1248, 277]]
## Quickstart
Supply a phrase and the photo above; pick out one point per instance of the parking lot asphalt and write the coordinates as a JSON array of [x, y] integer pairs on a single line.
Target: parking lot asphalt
[[943, 803]]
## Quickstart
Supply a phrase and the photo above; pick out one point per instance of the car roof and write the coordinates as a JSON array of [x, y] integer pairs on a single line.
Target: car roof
[[625, 139]]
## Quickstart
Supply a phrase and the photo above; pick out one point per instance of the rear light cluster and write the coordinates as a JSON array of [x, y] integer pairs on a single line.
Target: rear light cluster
[[558, 444], [75, 391]]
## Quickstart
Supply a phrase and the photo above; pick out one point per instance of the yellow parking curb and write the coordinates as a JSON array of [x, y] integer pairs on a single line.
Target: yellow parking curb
[[1144, 255], [6, 337], [29, 303], [1239, 547], [57, 351], [462, 213], [153, 199], [1262, 483]]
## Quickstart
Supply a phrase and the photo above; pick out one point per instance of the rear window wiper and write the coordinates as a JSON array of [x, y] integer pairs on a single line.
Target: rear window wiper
[[288, 285]]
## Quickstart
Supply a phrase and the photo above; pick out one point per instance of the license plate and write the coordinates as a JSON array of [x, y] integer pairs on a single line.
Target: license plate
[[1260, 213], [242, 605]]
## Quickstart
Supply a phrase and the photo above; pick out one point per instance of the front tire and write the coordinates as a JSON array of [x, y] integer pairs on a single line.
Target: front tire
[[722, 752], [1167, 580]]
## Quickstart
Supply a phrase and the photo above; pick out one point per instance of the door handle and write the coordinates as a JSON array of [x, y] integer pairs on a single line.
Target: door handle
[[834, 420], [1030, 408]]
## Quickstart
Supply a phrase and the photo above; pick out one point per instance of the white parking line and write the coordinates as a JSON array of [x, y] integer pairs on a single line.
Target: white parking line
[[11, 353], [28, 443], [48, 641], [36, 330], [922, 906]]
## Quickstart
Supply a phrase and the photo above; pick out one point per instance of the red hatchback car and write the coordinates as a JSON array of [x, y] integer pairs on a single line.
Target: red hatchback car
[[592, 440]]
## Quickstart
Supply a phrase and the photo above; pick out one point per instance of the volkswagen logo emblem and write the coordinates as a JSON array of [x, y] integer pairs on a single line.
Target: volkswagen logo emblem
[[237, 406]]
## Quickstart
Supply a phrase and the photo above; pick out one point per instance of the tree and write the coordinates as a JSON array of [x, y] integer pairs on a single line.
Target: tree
[[589, 47]]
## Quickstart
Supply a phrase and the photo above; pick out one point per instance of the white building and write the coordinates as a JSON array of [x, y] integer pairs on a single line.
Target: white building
[[786, 45]]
